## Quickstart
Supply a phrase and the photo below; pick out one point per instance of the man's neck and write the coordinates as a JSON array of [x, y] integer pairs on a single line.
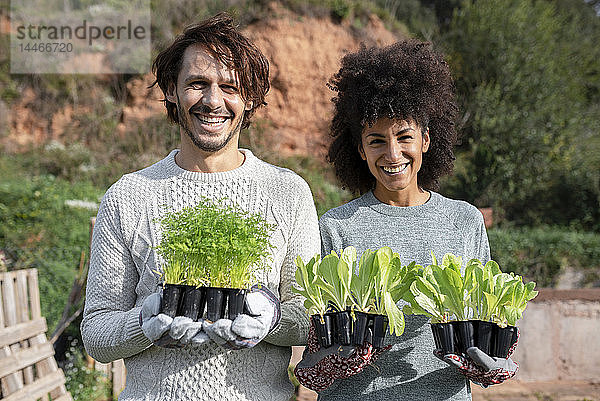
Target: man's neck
[[191, 158]]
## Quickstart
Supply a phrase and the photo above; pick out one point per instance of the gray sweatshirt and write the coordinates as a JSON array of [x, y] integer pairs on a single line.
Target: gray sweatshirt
[[121, 276], [409, 370]]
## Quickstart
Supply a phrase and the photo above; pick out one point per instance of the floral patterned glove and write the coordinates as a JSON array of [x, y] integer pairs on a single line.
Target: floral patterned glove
[[337, 362], [481, 368]]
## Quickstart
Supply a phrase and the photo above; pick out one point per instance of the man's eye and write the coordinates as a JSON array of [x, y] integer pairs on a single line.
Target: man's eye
[[229, 88]]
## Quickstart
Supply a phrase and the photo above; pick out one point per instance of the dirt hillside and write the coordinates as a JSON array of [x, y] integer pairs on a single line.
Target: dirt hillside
[[303, 53]]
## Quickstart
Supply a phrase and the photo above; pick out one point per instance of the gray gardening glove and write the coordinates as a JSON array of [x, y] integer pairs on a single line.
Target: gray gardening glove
[[153, 323], [167, 332], [247, 330], [187, 332]]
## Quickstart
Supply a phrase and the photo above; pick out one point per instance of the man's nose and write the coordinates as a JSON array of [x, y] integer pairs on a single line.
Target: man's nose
[[212, 97]]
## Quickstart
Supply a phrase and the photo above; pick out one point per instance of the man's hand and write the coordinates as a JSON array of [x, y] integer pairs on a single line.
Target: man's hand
[[248, 329], [320, 367], [167, 332], [481, 368]]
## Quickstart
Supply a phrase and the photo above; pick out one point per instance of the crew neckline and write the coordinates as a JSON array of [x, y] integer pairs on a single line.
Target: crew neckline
[[249, 162], [375, 204]]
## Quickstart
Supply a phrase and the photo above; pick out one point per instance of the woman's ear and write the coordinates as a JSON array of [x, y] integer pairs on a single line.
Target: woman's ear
[[426, 141], [249, 105], [171, 94], [361, 151]]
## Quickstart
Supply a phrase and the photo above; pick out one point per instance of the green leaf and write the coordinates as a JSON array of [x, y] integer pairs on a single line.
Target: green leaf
[[394, 314]]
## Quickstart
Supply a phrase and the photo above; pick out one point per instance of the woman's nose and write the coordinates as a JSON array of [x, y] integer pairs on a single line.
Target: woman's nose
[[393, 151]]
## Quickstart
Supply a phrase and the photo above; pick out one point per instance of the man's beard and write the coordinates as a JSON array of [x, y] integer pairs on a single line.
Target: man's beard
[[204, 145]]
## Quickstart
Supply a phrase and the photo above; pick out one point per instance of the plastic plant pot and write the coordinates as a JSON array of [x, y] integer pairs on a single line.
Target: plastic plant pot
[[343, 327], [216, 303], [465, 334], [323, 329], [359, 328], [192, 304], [380, 325], [436, 336], [170, 299], [236, 298], [504, 340], [484, 339], [445, 333]]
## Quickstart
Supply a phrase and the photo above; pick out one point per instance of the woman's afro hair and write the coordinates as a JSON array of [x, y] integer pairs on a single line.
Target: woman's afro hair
[[406, 81]]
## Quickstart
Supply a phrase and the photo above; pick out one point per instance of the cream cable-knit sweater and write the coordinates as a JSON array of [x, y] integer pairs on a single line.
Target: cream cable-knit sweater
[[121, 276]]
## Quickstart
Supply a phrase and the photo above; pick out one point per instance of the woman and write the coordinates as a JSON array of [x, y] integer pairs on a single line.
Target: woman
[[394, 129]]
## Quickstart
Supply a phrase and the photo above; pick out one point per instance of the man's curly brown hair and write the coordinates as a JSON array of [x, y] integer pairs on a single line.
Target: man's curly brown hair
[[404, 81]]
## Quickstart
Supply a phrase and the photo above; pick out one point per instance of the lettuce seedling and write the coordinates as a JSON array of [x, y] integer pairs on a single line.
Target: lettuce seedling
[[362, 284], [386, 281], [305, 278], [334, 275], [520, 294]]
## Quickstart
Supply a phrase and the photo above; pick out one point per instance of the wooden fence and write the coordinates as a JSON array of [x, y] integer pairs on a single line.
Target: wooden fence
[[28, 370]]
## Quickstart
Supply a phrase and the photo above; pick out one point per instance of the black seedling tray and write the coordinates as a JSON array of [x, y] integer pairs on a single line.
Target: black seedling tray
[[340, 328], [456, 337], [190, 301]]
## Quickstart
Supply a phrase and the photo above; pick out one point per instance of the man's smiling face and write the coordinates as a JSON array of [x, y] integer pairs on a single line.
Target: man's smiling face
[[209, 104]]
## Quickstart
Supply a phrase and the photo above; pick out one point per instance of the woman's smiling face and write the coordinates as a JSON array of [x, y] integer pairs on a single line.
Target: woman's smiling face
[[393, 150]]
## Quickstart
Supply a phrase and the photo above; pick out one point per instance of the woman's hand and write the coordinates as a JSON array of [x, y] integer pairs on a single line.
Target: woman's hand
[[319, 368], [481, 368]]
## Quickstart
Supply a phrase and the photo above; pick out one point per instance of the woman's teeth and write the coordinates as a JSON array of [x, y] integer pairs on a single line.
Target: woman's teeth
[[394, 169]]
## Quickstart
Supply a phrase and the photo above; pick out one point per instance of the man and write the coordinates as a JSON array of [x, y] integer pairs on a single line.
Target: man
[[213, 80]]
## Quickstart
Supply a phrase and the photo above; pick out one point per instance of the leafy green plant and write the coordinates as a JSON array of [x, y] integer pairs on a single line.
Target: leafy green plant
[[386, 263], [482, 292], [519, 295], [306, 276], [212, 244], [378, 285], [334, 276]]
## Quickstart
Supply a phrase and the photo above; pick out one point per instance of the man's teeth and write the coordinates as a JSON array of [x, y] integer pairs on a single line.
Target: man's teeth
[[211, 120], [394, 169]]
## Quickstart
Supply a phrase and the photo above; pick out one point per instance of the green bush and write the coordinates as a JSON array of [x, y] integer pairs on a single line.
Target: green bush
[[540, 254], [39, 229]]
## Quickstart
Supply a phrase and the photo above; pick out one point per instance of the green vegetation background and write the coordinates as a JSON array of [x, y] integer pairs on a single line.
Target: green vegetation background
[[528, 79]]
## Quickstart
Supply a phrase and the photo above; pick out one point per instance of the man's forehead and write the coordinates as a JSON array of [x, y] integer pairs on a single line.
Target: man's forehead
[[198, 60]]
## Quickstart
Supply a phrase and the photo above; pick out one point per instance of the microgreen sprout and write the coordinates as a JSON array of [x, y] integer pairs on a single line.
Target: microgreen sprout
[[214, 244]]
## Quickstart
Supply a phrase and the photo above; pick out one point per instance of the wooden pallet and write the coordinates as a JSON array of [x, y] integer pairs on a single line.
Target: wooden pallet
[[28, 370]]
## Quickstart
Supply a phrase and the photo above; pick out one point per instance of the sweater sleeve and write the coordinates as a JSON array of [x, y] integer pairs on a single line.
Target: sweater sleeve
[[479, 239], [110, 327], [303, 241]]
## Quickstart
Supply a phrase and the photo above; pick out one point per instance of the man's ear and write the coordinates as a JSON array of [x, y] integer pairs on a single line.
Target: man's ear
[[361, 151], [426, 141], [171, 94]]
